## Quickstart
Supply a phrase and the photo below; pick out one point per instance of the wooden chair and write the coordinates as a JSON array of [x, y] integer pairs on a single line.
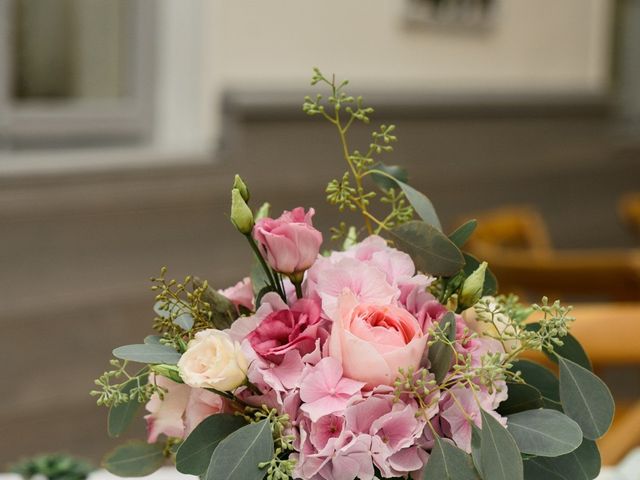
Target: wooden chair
[[515, 243], [629, 211], [515, 227]]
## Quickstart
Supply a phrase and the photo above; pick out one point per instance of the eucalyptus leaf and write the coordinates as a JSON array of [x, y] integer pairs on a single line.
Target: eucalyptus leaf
[[147, 353], [259, 280], [194, 454], [120, 416], [396, 171], [223, 311], [448, 462], [543, 432], [237, 456], [571, 349], [152, 339], [431, 250], [134, 459], [521, 397], [499, 454], [461, 235], [471, 263], [581, 464], [476, 446], [585, 398], [419, 201], [440, 354], [540, 377]]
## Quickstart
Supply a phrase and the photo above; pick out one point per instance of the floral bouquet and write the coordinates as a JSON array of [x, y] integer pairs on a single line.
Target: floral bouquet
[[392, 356]]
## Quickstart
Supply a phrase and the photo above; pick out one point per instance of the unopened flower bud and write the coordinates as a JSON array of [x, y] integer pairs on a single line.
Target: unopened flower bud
[[473, 286], [169, 371], [242, 187], [241, 215], [263, 211]]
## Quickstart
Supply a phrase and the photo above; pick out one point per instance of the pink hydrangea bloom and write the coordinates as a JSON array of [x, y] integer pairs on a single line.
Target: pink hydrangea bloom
[[324, 390], [454, 420]]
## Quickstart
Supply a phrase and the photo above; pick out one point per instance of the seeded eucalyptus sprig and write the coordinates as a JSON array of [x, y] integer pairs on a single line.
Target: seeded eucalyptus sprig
[[117, 386], [349, 191]]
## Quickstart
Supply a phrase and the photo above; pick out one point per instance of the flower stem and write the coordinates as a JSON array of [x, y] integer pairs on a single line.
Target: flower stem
[[271, 277]]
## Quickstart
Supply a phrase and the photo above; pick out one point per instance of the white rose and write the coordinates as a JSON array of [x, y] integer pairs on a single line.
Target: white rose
[[213, 360]]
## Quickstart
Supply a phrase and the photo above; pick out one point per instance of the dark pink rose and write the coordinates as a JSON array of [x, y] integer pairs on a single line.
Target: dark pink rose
[[289, 243], [285, 330]]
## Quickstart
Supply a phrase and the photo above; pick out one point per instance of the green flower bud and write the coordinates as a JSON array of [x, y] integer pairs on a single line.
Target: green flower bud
[[241, 215], [242, 187], [473, 286], [263, 211], [169, 371]]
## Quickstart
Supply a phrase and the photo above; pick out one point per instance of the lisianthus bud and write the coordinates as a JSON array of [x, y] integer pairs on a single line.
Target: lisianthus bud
[[242, 187], [263, 211], [473, 286], [289, 243], [241, 215], [213, 360]]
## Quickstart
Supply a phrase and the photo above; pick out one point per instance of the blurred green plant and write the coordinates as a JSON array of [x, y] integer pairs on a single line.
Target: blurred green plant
[[56, 466]]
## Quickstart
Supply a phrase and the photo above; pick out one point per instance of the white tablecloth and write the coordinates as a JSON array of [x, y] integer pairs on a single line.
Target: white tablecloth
[[629, 469]]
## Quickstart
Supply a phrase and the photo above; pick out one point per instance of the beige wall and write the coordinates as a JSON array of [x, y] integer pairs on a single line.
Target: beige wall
[[533, 45]]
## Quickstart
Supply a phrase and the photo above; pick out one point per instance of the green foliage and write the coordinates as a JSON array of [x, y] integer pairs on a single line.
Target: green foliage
[[53, 467], [195, 453], [193, 297], [461, 235], [431, 250], [538, 376], [117, 386], [586, 399], [449, 463], [441, 353], [239, 455], [521, 397], [499, 454], [348, 191], [121, 415], [135, 459], [147, 353], [581, 464], [570, 349], [543, 432]]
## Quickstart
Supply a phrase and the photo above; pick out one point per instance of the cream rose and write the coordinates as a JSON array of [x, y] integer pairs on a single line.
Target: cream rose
[[213, 360]]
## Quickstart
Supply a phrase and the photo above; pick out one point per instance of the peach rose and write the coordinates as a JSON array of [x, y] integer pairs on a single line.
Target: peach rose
[[373, 342]]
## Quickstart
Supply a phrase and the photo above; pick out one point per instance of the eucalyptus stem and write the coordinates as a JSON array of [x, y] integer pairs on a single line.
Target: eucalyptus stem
[[356, 175]]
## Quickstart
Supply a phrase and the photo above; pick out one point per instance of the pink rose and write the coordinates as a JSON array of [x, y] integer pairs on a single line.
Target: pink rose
[[374, 342], [288, 329], [290, 244]]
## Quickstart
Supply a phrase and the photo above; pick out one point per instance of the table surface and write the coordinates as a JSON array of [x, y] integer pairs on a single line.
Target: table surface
[[628, 469]]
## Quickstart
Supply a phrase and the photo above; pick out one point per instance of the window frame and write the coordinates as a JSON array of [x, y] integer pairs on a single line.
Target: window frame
[[126, 120]]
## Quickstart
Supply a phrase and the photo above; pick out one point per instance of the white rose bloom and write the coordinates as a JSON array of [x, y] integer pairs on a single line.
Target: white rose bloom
[[213, 360]]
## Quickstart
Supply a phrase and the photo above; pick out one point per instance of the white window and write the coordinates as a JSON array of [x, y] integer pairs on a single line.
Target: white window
[[75, 72], [94, 83]]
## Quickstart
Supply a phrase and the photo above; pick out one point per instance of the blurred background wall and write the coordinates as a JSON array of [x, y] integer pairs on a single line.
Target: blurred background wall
[[122, 124]]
